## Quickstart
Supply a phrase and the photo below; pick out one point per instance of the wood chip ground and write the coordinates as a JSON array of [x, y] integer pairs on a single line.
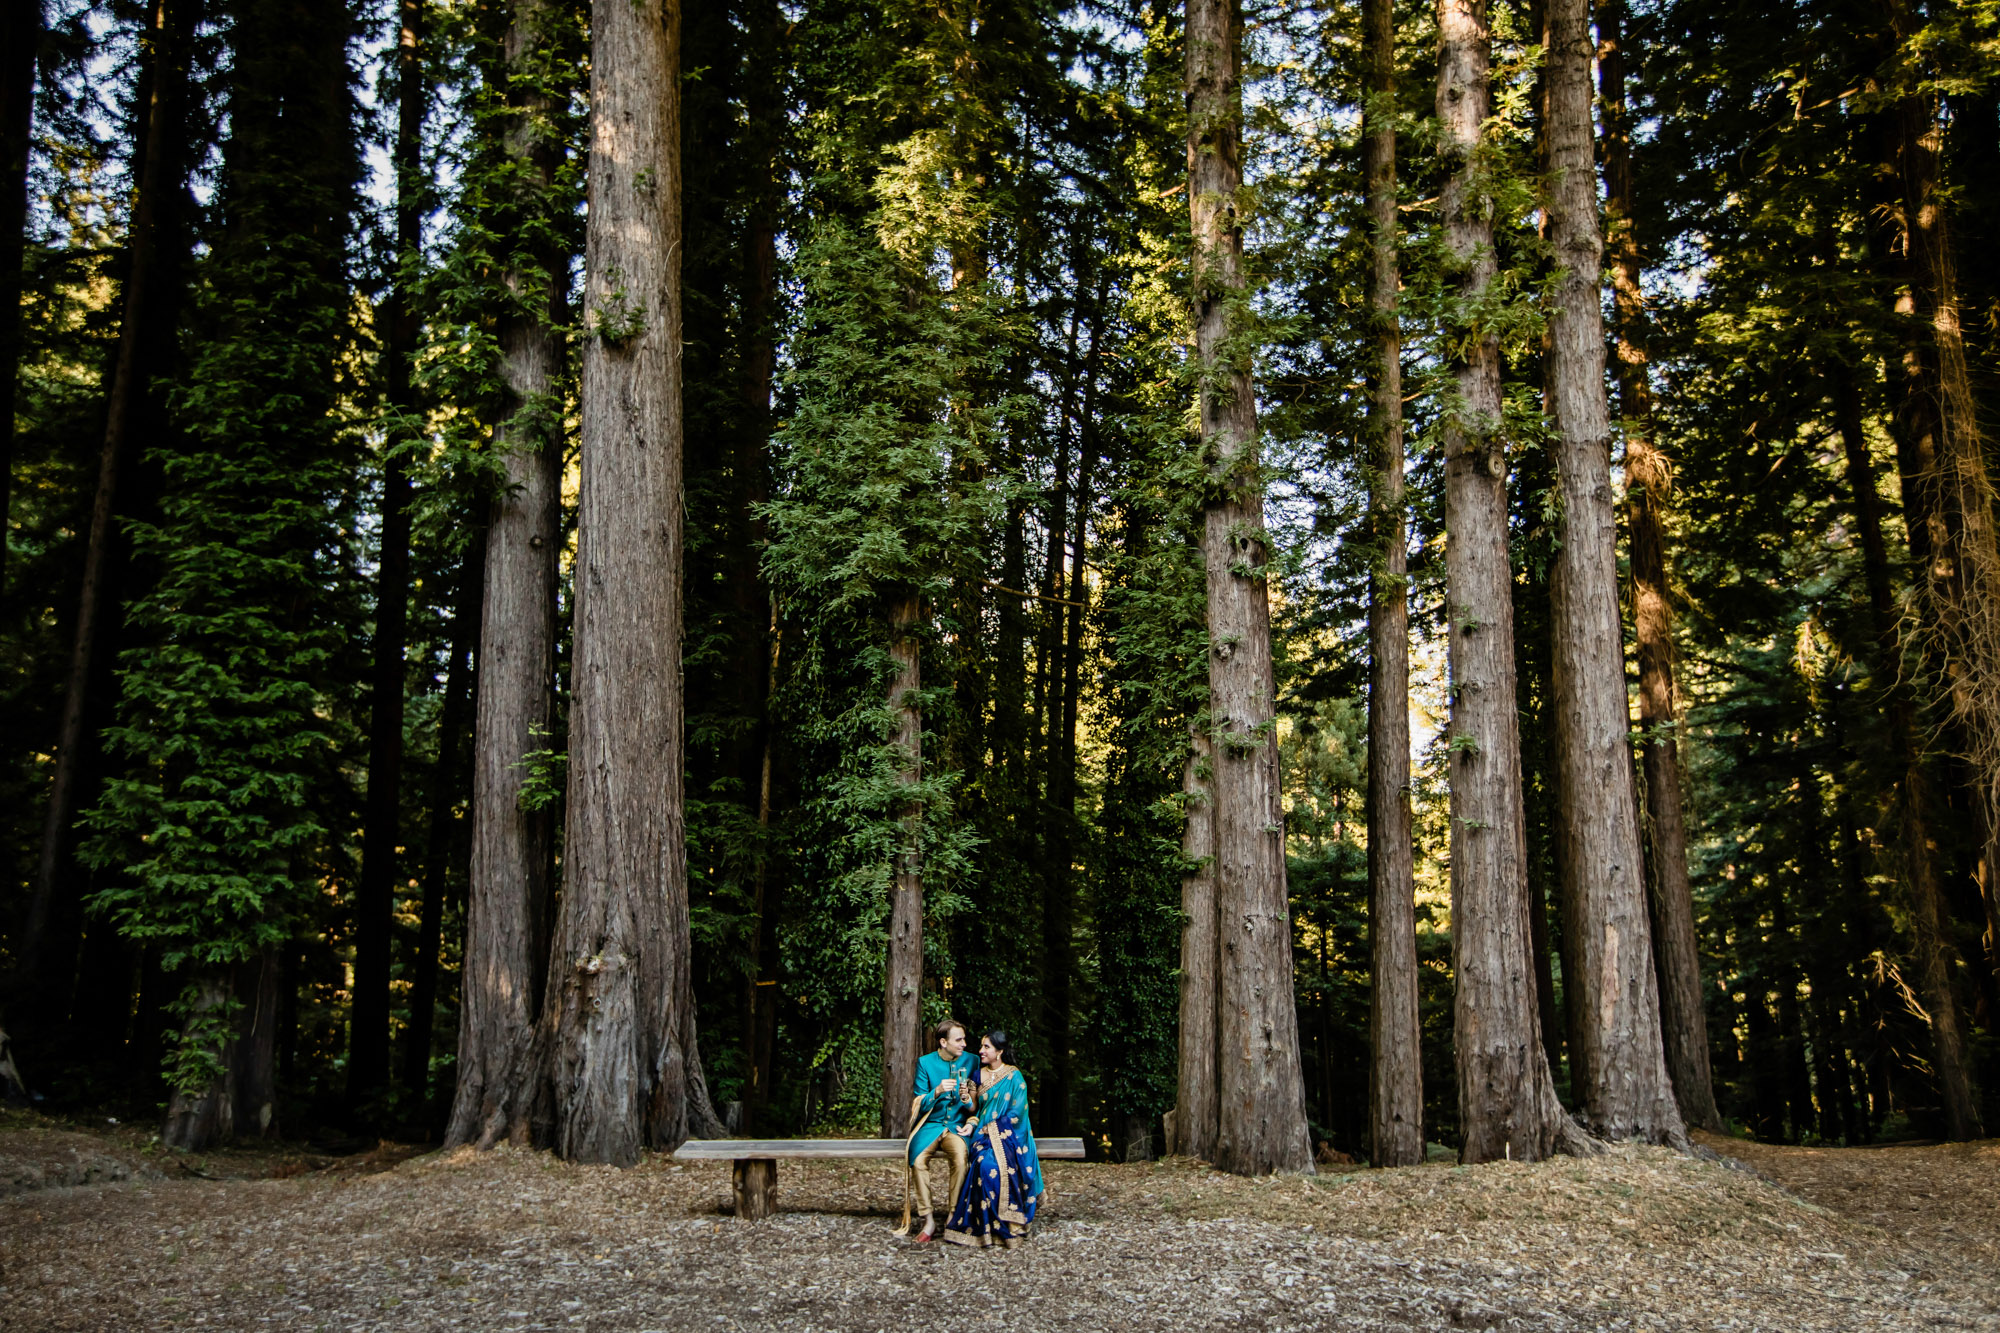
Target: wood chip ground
[[1806, 1239]]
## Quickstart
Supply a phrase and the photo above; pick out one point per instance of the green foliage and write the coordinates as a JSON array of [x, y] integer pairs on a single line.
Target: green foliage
[[195, 1059], [226, 736], [544, 780], [965, 271]]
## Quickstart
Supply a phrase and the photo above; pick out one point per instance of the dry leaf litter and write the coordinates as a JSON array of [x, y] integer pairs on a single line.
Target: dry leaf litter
[[1802, 1239]]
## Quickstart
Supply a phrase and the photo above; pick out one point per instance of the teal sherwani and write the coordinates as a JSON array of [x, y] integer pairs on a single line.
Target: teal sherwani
[[937, 1111]]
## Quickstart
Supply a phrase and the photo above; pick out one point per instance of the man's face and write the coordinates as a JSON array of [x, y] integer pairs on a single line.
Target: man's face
[[953, 1044]]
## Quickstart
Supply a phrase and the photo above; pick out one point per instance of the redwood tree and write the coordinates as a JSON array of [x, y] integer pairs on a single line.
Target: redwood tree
[[157, 252], [1507, 1098], [1261, 1121], [23, 27], [1648, 483], [217, 818], [1617, 1061], [1949, 512], [382, 827], [507, 898], [616, 1021], [1395, 1073], [903, 969], [1195, 1111]]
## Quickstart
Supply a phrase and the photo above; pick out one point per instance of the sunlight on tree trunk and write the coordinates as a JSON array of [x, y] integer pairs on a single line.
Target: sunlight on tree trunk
[[1395, 1078], [1261, 1122], [1618, 1067], [1507, 1099]]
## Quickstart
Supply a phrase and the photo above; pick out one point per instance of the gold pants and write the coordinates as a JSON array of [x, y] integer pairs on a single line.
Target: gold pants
[[958, 1154]]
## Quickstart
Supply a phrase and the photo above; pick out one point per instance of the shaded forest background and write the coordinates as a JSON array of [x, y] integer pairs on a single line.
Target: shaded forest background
[[314, 318]]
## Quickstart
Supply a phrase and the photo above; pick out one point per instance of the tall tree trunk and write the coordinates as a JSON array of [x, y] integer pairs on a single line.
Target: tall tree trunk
[[903, 969], [156, 250], [1765, 1056], [1795, 1075], [256, 1064], [616, 1017], [202, 1116], [1048, 636], [1953, 552], [1049, 839], [1507, 1099], [1261, 1122], [382, 830], [507, 894], [442, 840], [1059, 905], [765, 110], [761, 1005], [1395, 1070], [1544, 950], [1816, 943], [23, 44], [1195, 1115], [1916, 842], [1618, 1063], [1648, 482]]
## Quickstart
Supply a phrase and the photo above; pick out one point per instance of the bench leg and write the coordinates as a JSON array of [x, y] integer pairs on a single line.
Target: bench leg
[[755, 1180]]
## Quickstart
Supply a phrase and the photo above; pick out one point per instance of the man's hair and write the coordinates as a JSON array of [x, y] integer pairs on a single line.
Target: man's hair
[[944, 1028]]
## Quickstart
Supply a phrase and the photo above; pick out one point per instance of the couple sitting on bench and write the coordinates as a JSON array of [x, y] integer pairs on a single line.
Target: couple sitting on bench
[[976, 1113]]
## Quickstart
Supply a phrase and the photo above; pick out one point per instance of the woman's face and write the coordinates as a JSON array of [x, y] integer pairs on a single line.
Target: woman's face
[[987, 1055]]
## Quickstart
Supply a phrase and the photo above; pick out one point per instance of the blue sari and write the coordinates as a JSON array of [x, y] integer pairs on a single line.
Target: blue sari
[[1001, 1190]]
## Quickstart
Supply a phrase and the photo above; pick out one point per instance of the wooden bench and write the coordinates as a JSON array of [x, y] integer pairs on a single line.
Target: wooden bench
[[754, 1162]]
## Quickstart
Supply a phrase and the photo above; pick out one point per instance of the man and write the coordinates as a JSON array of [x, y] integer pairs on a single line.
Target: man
[[936, 1106]]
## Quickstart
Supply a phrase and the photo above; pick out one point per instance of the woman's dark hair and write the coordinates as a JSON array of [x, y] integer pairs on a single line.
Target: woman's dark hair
[[998, 1037]]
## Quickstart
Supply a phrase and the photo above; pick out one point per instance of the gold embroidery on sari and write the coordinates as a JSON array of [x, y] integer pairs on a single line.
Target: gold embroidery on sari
[[1006, 1210]]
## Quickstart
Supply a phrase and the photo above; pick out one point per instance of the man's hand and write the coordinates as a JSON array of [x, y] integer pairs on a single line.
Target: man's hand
[[948, 1085]]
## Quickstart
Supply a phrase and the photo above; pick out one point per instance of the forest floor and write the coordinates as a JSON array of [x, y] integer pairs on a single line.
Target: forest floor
[[100, 1232]]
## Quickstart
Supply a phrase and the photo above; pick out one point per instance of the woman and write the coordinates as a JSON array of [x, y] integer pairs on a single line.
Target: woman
[[998, 1198]]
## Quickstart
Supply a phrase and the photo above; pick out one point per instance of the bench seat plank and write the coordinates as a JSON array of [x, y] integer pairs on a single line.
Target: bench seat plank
[[712, 1150]]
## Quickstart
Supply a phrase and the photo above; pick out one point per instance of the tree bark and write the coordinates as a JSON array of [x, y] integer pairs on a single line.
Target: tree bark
[[1195, 1115], [1544, 951], [442, 839], [1261, 1118], [754, 1184], [1648, 482], [507, 894], [615, 1018], [256, 1064], [151, 297], [1949, 514], [1507, 1099], [1395, 1072], [382, 828], [903, 968], [1917, 850], [1618, 1064], [764, 112], [24, 25], [761, 1005], [201, 1117], [1059, 903]]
